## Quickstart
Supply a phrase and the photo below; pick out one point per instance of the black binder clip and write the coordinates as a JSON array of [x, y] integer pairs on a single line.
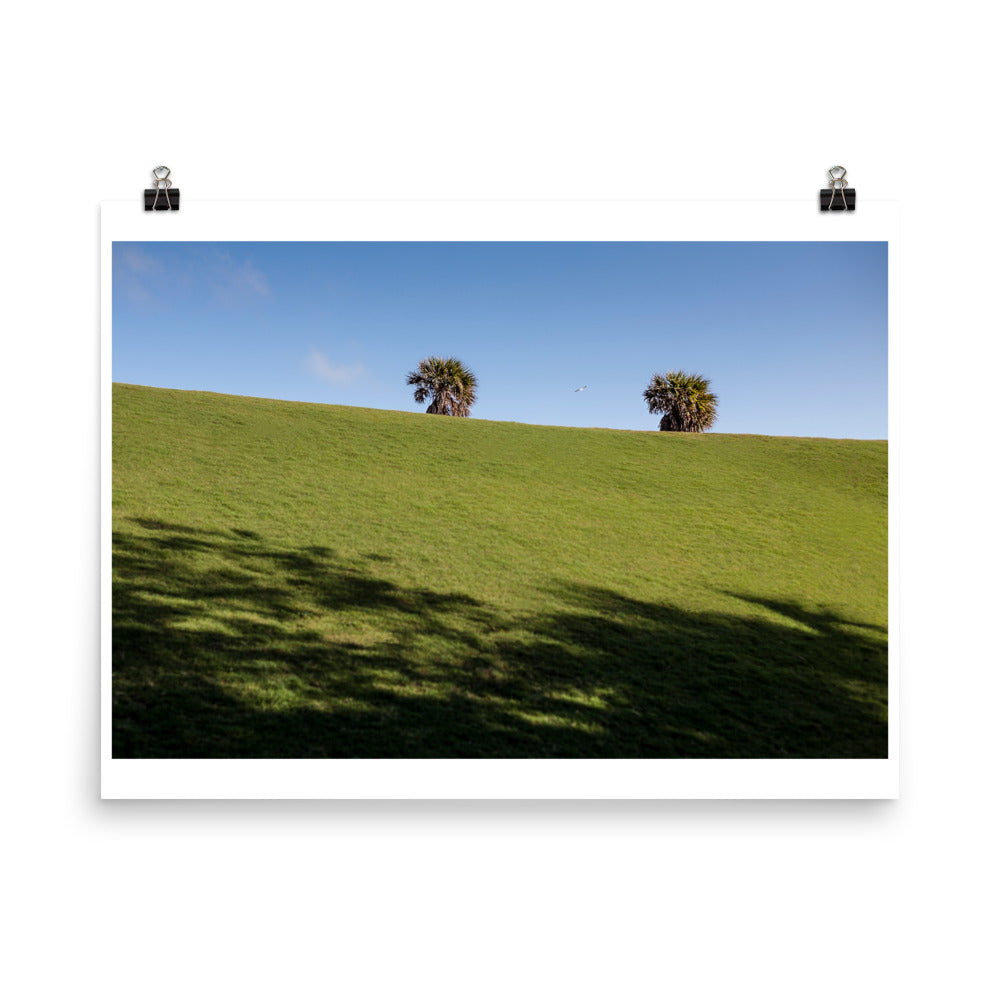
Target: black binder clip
[[839, 197], [164, 197]]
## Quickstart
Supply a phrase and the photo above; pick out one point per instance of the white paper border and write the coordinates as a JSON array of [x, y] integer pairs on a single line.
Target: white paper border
[[501, 779]]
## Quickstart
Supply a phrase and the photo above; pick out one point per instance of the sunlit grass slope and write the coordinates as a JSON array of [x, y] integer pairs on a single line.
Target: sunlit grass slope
[[300, 580]]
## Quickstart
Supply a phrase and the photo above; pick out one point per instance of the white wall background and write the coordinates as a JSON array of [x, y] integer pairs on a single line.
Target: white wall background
[[497, 100]]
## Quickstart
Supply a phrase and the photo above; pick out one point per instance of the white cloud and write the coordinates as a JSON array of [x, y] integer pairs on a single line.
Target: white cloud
[[321, 366], [254, 279], [231, 283], [210, 275], [136, 274], [138, 261]]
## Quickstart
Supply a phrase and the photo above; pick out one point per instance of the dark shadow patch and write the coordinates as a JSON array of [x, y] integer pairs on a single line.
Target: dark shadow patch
[[215, 653]]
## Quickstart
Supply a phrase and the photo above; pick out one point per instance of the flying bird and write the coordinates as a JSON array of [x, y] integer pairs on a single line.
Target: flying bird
[[582, 387]]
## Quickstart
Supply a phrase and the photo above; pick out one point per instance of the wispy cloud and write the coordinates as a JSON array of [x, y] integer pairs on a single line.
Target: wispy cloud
[[136, 273], [233, 283], [212, 275], [138, 261], [321, 366]]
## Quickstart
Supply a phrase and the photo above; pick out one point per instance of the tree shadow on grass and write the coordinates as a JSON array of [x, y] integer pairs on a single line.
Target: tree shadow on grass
[[227, 646]]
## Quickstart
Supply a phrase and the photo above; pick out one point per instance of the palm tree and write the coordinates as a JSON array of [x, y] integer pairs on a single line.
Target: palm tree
[[450, 386], [684, 401]]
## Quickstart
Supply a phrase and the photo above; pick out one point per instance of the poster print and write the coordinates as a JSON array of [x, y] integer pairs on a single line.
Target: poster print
[[499, 500]]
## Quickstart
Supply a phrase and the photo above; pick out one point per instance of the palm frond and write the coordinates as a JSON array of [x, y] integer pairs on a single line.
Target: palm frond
[[449, 384], [685, 400]]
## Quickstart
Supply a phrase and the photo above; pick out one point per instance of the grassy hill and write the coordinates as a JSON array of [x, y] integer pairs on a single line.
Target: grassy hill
[[297, 580]]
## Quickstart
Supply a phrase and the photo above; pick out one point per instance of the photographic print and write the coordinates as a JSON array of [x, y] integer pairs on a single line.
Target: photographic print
[[506, 499]]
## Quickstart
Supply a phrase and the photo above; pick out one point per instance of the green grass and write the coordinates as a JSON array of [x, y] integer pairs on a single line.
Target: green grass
[[299, 580]]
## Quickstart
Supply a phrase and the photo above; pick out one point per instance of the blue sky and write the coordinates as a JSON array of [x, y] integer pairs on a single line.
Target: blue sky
[[793, 336]]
